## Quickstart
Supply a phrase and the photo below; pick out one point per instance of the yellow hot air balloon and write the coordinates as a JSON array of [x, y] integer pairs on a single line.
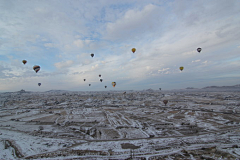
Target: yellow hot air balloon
[[133, 50], [114, 84], [181, 68], [24, 61]]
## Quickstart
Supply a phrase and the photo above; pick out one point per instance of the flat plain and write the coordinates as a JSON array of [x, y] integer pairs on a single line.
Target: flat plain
[[194, 124]]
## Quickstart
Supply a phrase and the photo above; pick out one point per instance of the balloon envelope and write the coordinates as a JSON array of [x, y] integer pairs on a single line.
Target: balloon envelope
[[92, 54], [36, 68], [165, 102], [105, 86], [199, 50], [181, 68], [84, 79], [101, 80], [114, 84], [133, 50], [39, 84], [24, 61]]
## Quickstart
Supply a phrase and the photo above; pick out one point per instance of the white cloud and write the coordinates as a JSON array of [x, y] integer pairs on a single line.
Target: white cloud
[[164, 69], [63, 64], [95, 67], [205, 62], [133, 22], [198, 60], [49, 45]]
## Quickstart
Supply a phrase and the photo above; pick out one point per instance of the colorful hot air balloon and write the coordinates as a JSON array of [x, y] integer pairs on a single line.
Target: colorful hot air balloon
[[181, 68], [133, 50], [114, 84], [24, 61], [165, 102], [36, 68], [101, 80], [39, 84], [92, 54], [199, 50]]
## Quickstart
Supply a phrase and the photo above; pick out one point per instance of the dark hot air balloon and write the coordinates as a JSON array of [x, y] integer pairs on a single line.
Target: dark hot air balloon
[[92, 55], [24, 61], [165, 102], [36, 68], [199, 50], [39, 84]]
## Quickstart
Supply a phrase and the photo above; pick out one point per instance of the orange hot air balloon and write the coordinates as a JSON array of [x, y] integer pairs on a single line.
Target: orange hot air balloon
[[114, 84], [133, 50]]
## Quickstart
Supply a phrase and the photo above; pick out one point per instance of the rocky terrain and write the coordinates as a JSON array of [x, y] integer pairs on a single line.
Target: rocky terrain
[[194, 124]]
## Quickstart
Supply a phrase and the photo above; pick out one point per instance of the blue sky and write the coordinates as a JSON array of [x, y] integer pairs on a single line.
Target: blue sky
[[60, 35]]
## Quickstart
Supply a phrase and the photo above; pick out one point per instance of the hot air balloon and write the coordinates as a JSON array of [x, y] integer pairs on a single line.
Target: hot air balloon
[[24, 61], [101, 80], [84, 79], [39, 84], [160, 89], [36, 68], [133, 50], [165, 102], [105, 86], [199, 50], [92, 54], [181, 68], [114, 84], [99, 75], [89, 84]]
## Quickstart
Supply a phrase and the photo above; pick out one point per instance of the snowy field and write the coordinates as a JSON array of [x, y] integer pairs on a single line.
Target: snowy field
[[194, 124]]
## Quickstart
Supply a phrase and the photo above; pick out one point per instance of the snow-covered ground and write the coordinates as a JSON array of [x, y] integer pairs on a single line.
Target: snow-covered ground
[[114, 125]]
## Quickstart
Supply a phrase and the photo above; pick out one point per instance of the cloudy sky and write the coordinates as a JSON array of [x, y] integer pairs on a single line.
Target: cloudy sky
[[60, 35]]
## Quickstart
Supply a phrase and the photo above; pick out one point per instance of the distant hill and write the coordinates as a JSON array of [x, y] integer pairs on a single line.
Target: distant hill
[[191, 88], [222, 87], [54, 91], [149, 90]]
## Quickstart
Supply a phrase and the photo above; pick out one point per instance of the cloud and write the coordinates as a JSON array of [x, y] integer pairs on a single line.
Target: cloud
[[49, 45], [133, 23], [198, 60], [63, 64]]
